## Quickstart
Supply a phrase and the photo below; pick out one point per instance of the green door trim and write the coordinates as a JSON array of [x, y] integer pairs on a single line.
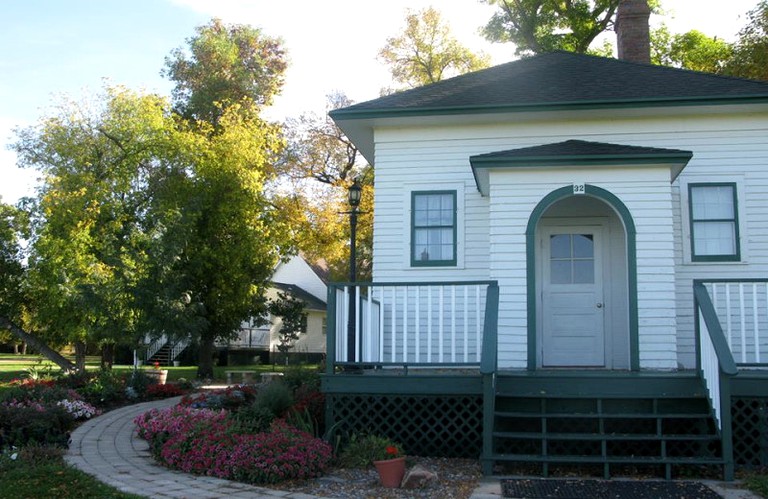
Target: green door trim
[[530, 266]]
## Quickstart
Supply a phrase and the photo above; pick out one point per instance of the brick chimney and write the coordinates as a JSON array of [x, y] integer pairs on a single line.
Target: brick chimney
[[632, 32]]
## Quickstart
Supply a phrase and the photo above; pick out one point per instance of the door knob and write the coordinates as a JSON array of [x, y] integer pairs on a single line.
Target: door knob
[[599, 305]]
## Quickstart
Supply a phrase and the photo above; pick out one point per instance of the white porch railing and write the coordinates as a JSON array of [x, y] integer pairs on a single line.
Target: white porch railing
[[249, 337], [742, 307], [408, 323], [716, 366], [155, 347]]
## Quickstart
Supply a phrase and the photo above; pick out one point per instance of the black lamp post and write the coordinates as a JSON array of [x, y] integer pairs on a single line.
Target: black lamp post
[[355, 193]]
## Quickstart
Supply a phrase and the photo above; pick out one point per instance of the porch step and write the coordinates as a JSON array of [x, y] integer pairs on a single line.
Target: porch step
[[589, 419]]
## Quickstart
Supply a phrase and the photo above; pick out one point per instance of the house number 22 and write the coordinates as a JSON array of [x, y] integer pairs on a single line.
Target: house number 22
[[579, 189]]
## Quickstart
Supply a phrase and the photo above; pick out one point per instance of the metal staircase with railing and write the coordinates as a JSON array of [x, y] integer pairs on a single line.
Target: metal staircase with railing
[[165, 351]]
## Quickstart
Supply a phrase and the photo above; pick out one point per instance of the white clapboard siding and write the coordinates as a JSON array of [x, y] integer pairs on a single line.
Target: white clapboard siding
[[726, 147]]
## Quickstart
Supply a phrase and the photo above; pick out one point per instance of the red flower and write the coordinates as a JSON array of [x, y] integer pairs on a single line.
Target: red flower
[[391, 450]]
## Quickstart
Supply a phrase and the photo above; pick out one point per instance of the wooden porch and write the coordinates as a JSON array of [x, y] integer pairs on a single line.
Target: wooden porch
[[430, 380]]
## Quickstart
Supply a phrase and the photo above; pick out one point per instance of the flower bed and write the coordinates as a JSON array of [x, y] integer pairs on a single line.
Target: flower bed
[[205, 441]]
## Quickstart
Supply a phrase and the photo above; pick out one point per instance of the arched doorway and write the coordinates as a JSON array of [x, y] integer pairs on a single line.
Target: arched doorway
[[582, 291]]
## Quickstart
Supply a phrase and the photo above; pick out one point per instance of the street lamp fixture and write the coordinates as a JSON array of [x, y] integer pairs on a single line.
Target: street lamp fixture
[[355, 194]]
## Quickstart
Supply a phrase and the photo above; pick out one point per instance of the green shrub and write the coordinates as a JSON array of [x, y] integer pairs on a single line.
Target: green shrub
[[362, 450], [252, 419], [26, 423], [300, 377], [103, 389], [275, 396]]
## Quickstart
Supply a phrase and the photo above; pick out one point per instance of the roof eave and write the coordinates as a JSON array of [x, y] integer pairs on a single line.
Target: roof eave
[[481, 166]]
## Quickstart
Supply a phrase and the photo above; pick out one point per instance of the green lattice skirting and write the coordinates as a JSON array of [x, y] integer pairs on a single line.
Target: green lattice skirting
[[438, 426]]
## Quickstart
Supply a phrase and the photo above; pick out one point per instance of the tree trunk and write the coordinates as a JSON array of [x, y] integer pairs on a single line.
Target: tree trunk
[[24, 348], [80, 356], [205, 359], [40, 345], [107, 356]]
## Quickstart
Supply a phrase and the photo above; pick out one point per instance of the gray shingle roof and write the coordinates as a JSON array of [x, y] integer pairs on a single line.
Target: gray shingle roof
[[580, 150], [576, 153], [311, 301], [559, 80]]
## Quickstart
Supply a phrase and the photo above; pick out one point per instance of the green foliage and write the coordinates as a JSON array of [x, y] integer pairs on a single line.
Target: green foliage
[[38, 477], [537, 26], [290, 310], [362, 450], [301, 378], [14, 226], [692, 50], [23, 424], [104, 389], [253, 418], [750, 52], [225, 64], [757, 483], [426, 52], [276, 397]]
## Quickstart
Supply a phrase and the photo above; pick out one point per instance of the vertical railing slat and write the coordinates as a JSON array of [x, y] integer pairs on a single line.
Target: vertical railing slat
[[394, 323], [466, 324], [755, 322], [440, 327], [417, 324], [405, 324], [742, 323], [728, 328], [429, 324], [381, 323], [478, 328], [453, 323]]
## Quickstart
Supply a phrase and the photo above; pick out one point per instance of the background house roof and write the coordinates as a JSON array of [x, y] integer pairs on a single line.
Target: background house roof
[[312, 302]]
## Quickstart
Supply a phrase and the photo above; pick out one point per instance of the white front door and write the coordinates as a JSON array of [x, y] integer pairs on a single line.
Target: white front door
[[572, 302]]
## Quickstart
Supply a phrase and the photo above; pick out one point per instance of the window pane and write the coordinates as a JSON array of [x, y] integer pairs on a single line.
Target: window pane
[[714, 238], [560, 246], [712, 202], [583, 271], [583, 246], [560, 271], [434, 230]]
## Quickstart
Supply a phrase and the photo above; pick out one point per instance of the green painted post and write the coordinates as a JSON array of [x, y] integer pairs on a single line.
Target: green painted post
[[726, 433], [489, 402], [330, 333]]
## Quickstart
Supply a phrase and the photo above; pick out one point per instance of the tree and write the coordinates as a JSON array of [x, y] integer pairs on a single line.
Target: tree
[[290, 310], [85, 256], [750, 52], [221, 232], [537, 26], [692, 50], [224, 64], [426, 52]]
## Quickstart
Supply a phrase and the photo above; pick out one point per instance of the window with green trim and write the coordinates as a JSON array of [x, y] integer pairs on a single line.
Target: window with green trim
[[433, 228], [714, 222]]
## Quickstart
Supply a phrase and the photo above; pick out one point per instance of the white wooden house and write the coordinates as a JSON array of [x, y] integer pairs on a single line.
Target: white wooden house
[[549, 221], [305, 282]]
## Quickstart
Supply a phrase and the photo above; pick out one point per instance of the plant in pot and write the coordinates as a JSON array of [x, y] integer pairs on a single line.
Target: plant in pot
[[385, 454], [157, 374]]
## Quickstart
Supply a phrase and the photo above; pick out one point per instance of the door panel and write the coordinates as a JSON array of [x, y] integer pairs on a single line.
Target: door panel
[[572, 297]]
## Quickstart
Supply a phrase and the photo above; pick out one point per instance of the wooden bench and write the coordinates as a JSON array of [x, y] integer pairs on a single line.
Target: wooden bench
[[245, 376], [267, 377]]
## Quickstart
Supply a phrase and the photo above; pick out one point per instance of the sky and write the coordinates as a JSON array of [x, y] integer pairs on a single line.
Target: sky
[[51, 48]]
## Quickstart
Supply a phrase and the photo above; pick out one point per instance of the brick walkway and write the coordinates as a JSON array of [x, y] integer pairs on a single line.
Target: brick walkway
[[107, 448]]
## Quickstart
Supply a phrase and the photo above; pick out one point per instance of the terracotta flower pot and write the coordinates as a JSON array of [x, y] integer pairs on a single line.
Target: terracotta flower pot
[[160, 375], [391, 471]]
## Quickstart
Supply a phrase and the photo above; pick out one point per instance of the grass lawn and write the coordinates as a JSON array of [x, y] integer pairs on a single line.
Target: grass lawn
[[757, 483], [14, 366], [52, 478]]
